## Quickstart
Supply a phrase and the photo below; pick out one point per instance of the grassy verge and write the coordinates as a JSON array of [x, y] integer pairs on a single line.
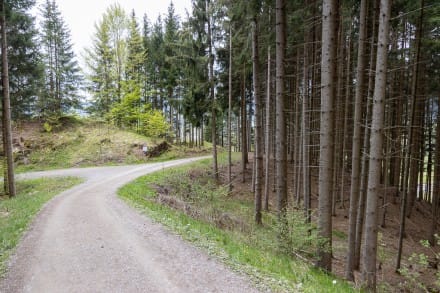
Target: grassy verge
[[82, 144], [85, 143], [222, 225], [17, 213]]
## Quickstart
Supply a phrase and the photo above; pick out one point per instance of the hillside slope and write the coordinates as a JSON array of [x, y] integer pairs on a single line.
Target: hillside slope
[[82, 143]]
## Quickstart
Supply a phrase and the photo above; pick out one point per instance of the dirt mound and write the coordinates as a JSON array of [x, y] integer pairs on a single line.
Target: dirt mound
[[158, 150]]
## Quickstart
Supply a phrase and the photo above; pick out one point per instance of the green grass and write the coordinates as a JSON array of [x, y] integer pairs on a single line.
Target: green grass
[[253, 252], [18, 212], [339, 234], [81, 145], [85, 143]]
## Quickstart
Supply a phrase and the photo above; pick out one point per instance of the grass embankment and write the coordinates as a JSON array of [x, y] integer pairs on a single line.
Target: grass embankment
[[84, 143], [187, 201], [17, 213]]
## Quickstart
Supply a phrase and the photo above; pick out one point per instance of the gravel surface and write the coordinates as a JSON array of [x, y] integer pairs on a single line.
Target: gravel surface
[[88, 240]]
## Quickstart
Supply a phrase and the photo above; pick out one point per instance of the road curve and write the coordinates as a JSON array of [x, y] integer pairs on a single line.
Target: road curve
[[88, 240]]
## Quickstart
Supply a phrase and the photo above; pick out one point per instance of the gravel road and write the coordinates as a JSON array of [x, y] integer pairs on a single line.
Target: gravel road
[[88, 240]]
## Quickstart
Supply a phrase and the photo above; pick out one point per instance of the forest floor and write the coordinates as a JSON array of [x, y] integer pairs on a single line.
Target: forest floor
[[419, 273]]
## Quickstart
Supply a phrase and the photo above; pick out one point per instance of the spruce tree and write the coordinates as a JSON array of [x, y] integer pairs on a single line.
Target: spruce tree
[[171, 66], [157, 63], [6, 107], [25, 64], [101, 76], [194, 104], [146, 64], [62, 72], [135, 51]]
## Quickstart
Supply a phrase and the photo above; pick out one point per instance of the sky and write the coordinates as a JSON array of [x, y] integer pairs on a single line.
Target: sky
[[81, 15]]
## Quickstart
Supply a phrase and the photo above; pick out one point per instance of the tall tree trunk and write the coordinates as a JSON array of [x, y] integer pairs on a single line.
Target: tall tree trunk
[[356, 148], [376, 150], [436, 193], [387, 171], [338, 114], [395, 122], [306, 127], [328, 71], [408, 165], [7, 130], [211, 90], [366, 143], [258, 122], [230, 113], [244, 145], [297, 167], [280, 134], [268, 134], [422, 152], [430, 151], [363, 183], [414, 142], [291, 122], [345, 135]]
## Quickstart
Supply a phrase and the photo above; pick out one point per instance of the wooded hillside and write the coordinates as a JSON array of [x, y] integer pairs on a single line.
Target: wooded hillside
[[343, 91]]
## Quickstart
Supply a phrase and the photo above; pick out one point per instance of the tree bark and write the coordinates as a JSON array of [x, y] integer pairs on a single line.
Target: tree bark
[[414, 143], [328, 71], [244, 145], [338, 114], [376, 150], [211, 90], [345, 135], [436, 191], [7, 129], [356, 148], [230, 113], [306, 129], [297, 167], [268, 135], [258, 122], [406, 197], [366, 138], [281, 148]]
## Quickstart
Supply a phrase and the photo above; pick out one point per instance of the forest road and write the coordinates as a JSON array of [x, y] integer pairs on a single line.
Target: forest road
[[87, 240]]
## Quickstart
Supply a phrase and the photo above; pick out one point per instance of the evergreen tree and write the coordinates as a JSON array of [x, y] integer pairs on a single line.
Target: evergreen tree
[[157, 63], [101, 76], [146, 65], [369, 254], [280, 135], [62, 72], [117, 22], [9, 180], [25, 66], [255, 9], [170, 68], [131, 86], [192, 51], [328, 70], [135, 52]]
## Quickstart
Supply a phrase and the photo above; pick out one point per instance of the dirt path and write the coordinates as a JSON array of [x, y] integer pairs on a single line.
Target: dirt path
[[87, 240]]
